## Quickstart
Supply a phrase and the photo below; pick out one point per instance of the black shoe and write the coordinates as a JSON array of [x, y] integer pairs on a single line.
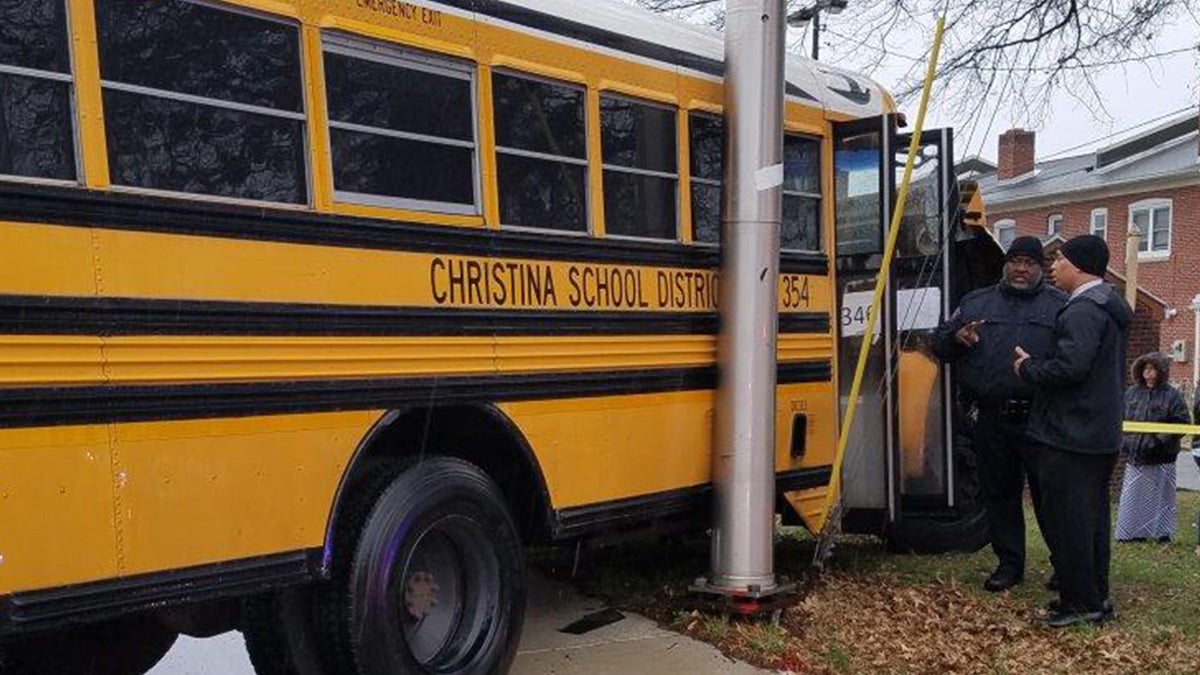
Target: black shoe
[[1001, 580], [1052, 582], [1065, 619], [1055, 607]]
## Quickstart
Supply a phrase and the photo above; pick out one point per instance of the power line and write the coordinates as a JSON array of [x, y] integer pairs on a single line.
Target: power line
[[1080, 66]]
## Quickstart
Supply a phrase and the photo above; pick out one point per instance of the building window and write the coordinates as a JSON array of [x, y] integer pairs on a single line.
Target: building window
[[640, 168], [37, 132], [1005, 231], [801, 227], [1054, 224], [1152, 219], [541, 153], [202, 100], [1100, 223], [706, 139], [401, 127]]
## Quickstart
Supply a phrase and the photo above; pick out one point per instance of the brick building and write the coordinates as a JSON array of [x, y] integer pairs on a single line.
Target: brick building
[[1151, 182]]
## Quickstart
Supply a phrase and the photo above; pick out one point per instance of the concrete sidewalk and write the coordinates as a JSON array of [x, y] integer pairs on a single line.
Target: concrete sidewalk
[[1187, 475], [633, 645]]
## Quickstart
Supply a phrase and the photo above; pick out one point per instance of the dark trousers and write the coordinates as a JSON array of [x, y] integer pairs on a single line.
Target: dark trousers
[[1006, 460], [1079, 523]]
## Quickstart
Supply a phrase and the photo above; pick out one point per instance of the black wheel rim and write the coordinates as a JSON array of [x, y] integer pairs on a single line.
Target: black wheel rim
[[448, 594]]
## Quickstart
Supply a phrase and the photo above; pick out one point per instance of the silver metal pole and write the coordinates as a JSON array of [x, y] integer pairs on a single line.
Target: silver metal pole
[[744, 457]]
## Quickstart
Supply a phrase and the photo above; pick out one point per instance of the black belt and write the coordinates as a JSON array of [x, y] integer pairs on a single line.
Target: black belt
[[1016, 408]]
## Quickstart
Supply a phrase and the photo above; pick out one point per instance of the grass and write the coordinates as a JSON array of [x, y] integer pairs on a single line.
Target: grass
[[876, 612], [1154, 585]]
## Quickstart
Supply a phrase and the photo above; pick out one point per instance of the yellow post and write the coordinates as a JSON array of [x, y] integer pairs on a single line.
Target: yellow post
[[826, 524]]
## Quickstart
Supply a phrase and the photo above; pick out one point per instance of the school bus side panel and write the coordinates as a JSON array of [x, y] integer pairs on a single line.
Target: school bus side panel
[[57, 507], [203, 491]]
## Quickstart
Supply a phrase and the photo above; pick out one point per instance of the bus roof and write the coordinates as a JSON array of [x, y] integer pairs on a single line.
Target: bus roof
[[612, 25]]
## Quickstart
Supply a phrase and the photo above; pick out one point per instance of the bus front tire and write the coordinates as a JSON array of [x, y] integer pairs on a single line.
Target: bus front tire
[[129, 645], [437, 580], [964, 530]]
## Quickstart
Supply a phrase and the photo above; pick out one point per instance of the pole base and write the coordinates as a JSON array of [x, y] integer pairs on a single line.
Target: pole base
[[750, 601]]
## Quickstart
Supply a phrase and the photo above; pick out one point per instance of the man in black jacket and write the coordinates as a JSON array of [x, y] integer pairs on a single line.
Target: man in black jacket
[[979, 339], [1076, 421]]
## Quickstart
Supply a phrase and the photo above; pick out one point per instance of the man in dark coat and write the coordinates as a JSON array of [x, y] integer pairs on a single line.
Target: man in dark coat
[[979, 339], [1076, 421]]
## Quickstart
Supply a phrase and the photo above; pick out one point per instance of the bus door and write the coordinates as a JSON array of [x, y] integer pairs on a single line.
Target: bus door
[[899, 456]]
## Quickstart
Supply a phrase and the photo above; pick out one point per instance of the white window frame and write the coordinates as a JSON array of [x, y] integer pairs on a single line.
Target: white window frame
[[54, 76], [550, 157], [605, 166], [1054, 223], [1101, 232], [1150, 206], [402, 57], [1006, 224]]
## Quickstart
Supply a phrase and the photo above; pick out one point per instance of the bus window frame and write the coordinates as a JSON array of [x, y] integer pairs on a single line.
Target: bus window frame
[[403, 56], [497, 149], [604, 166], [71, 78], [818, 196], [692, 178], [301, 116]]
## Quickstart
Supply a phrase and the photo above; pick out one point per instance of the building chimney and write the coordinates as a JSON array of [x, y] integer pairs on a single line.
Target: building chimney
[[1016, 154]]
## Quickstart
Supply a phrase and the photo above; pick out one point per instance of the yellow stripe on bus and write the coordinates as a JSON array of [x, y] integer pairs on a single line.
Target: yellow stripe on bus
[[114, 263]]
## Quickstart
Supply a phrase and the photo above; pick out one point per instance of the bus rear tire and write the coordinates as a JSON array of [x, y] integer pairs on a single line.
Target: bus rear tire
[[130, 645], [279, 634], [437, 581]]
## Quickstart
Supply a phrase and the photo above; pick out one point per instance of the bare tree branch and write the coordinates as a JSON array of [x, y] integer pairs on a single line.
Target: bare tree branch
[[1019, 52]]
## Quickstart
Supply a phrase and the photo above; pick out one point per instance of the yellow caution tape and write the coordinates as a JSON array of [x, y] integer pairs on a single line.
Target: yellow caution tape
[[1161, 428]]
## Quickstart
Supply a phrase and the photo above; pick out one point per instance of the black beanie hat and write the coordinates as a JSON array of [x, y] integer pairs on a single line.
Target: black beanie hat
[[1030, 247], [1087, 252]]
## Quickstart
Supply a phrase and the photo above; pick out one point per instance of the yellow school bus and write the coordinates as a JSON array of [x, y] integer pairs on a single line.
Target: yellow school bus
[[314, 313]]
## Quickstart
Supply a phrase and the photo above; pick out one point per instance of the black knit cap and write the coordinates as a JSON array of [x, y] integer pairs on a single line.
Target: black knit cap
[[1087, 252], [1030, 247]]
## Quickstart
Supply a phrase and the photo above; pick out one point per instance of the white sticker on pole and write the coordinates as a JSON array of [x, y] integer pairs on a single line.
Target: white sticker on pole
[[768, 177]]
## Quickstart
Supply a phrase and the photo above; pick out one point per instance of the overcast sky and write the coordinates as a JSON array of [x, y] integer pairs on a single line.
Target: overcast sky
[[1134, 93]]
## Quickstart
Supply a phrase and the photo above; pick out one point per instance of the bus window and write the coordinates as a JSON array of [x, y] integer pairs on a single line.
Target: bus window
[[37, 138], [202, 100], [640, 168], [541, 153], [801, 226], [402, 127], [706, 138], [857, 183]]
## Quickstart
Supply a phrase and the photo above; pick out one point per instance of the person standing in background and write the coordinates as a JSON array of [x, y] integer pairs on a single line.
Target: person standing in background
[[1076, 421], [1147, 507]]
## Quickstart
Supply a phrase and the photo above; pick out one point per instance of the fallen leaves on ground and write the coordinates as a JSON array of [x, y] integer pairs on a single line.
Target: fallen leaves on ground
[[877, 624]]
